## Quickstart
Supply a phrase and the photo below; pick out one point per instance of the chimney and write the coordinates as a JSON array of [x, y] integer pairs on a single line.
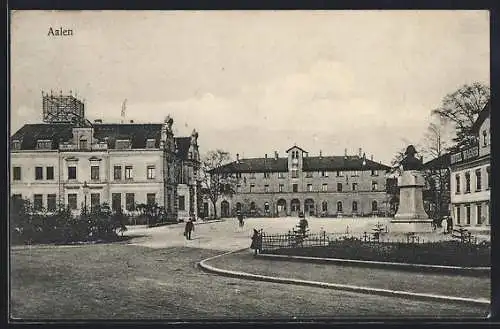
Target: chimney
[[345, 153], [275, 155], [237, 157], [359, 152], [265, 155], [320, 154], [371, 157]]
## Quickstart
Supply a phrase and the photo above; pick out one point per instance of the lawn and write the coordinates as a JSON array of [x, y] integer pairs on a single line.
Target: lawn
[[132, 282]]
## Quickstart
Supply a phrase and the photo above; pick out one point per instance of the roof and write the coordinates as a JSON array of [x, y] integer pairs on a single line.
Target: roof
[[58, 133], [442, 162], [485, 113], [296, 147], [183, 144], [330, 163]]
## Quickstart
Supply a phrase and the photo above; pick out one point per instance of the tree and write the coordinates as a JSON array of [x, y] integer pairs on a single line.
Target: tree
[[462, 108], [215, 179]]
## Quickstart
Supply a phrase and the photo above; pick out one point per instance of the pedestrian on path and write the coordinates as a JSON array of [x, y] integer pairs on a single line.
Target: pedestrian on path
[[188, 229], [444, 225], [256, 242], [240, 218]]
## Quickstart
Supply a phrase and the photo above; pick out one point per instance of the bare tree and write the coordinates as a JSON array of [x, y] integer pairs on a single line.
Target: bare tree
[[216, 180], [462, 108]]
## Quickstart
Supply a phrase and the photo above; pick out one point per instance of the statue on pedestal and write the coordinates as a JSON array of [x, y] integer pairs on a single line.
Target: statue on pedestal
[[410, 162]]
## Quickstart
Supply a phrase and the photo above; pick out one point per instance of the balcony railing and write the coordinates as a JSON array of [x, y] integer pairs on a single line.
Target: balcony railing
[[73, 147]]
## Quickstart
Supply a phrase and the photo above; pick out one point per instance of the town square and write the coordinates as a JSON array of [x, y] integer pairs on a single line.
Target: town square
[[237, 167]]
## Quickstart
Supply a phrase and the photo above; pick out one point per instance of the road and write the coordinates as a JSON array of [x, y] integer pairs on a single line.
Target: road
[[155, 277]]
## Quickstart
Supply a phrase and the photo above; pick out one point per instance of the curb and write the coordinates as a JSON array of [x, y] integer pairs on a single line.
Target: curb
[[358, 289], [475, 271]]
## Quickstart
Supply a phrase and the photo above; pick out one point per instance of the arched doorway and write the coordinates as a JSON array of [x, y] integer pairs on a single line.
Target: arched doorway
[[295, 207], [253, 209], [281, 207], [374, 207], [267, 209], [355, 207], [324, 208], [224, 209], [309, 207], [339, 206]]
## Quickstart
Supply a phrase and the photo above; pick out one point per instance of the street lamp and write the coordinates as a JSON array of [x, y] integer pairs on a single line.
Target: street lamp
[[85, 192]]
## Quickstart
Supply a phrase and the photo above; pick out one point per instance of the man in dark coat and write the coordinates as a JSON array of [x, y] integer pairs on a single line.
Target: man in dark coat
[[188, 229], [256, 241]]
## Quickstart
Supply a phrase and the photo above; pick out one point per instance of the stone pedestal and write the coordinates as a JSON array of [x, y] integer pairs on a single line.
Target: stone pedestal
[[411, 216]]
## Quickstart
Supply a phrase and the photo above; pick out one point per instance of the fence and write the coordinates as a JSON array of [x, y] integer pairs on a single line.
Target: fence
[[323, 239]]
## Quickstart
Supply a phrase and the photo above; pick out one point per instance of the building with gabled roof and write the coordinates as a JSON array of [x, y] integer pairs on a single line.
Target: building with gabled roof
[[349, 185], [82, 164]]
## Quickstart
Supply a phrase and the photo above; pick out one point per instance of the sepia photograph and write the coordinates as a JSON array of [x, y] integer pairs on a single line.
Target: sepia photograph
[[249, 165]]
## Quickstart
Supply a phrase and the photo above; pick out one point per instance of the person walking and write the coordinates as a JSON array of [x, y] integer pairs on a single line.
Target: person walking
[[256, 241], [444, 225], [189, 228]]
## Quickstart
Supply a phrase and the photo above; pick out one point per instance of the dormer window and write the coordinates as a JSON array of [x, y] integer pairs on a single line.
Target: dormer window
[[123, 144], [150, 143], [16, 144], [43, 144], [485, 138], [83, 144]]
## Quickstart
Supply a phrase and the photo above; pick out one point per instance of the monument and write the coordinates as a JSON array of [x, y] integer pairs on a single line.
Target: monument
[[411, 216]]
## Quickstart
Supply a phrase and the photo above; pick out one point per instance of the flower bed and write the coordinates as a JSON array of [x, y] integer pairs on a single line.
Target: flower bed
[[447, 253]]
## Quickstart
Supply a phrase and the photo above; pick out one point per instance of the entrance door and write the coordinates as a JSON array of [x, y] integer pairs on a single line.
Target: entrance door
[[295, 207], [281, 207], [224, 208]]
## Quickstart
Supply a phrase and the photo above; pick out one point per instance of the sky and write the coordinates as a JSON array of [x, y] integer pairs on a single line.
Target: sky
[[255, 82]]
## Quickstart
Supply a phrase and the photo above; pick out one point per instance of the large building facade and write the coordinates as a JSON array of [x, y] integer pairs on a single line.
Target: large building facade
[[325, 186], [471, 178], [79, 164]]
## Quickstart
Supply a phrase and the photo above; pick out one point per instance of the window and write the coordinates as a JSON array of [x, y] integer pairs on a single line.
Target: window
[[44, 145], [295, 154], [38, 173], [16, 173], [95, 200], [324, 173], [479, 214], [354, 186], [83, 144], [252, 187], [128, 172], [238, 188], [71, 172], [339, 173], [94, 172], [295, 173], [150, 144], [38, 201], [117, 172], [50, 173], [324, 206], [489, 176], [457, 180], [72, 201], [281, 187], [374, 173], [355, 173], [151, 198], [151, 172], [354, 206], [182, 202], [339, 206], [130, 201], [266, 188], [309, 174], [295, 187], [266, 207], [252, 175], [478, 180], [123, 144], [116, 201], [238, 175], [309, 187], [324, 187], [458, 214], [339, 187], [51, 202], [267, 175], [281, 175], [467, 182], [374, 206], [467, 214], [374, 186], [16, 145], [485, 138]]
